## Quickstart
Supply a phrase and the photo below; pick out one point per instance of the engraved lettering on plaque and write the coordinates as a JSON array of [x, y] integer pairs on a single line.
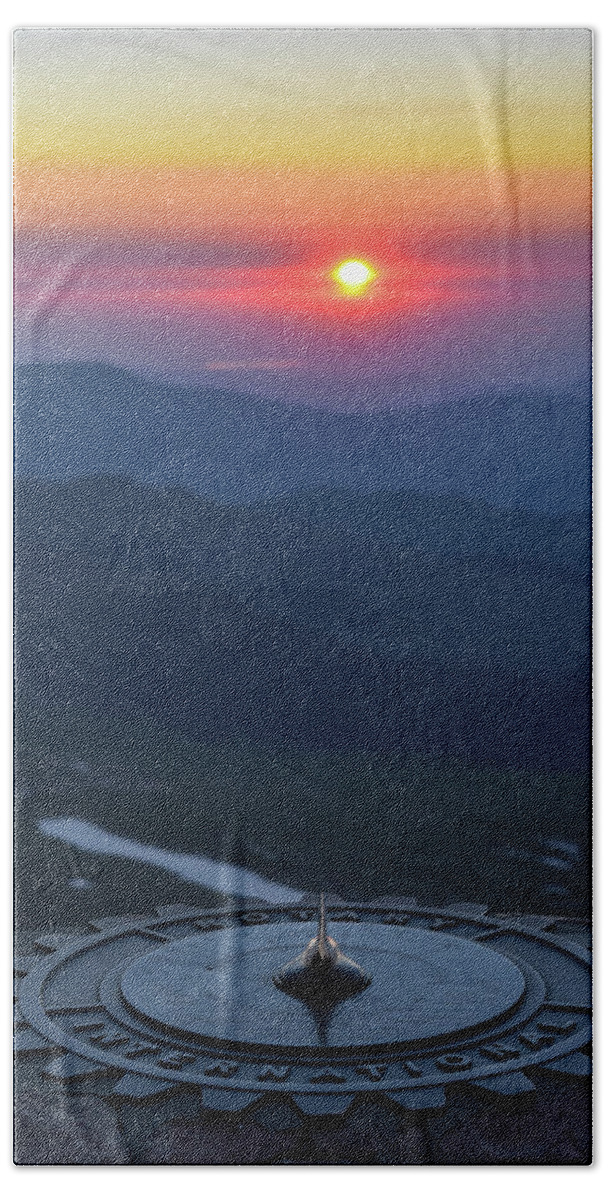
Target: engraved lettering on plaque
[[412, 1068], [499, 1051], [223, 1070], [372, 1071], [274, 1074], [176, 1058], [535, 1040], [109, 1038], [454, 1062], [134, 1049]]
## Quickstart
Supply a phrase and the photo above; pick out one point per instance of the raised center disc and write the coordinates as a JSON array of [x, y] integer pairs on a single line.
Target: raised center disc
[[219, 986]]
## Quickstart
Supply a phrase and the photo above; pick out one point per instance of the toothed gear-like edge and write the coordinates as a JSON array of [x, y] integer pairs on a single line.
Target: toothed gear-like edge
[[72, 1016]]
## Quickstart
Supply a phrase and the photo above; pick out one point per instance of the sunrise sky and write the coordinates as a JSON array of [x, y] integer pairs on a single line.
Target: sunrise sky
[[184, 197]]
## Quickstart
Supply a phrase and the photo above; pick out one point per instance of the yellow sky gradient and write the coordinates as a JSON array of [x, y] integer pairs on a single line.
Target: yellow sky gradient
[[318, 99], [271, 133]]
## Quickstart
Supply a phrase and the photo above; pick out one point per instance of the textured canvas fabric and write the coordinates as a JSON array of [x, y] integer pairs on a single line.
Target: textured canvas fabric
[[302, 545]]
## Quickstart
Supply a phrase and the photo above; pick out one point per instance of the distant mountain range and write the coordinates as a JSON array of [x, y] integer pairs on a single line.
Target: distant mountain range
[[525, 451], [239, 623], [329, 619]]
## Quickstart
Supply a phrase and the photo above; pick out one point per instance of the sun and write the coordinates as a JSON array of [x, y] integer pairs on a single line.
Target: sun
[[353, 276]]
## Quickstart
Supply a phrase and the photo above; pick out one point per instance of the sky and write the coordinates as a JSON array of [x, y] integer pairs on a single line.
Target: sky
[[183, 197]]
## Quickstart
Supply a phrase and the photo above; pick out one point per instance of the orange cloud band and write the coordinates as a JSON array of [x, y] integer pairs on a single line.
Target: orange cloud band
[[193, 203]]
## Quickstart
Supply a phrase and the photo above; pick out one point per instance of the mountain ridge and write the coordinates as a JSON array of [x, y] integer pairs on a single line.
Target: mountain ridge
[[526, 450], [291, 625]]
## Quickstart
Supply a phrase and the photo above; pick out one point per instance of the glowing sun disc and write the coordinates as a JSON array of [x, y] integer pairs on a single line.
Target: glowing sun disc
[[353, 275]]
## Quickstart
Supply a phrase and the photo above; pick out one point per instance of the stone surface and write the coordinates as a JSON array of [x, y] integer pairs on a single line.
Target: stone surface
[[551, 1126], [70, 1130], [371, 1136], [222, 1142]]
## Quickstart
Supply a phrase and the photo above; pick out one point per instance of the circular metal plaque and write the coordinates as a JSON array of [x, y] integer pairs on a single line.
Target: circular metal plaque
[[425, 985], [184, 999]]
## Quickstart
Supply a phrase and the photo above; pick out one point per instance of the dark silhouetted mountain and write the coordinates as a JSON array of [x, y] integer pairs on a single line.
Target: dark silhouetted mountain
[[527, 451], [329, 620]]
